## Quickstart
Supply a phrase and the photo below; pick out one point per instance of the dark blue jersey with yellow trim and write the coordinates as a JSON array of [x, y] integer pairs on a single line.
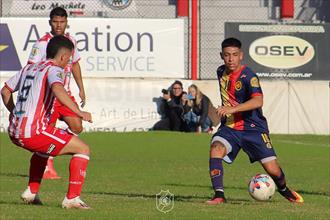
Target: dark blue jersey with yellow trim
[[238, 87]]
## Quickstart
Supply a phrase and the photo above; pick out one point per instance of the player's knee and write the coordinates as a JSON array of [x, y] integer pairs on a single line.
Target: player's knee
[[84, 150], [218, 147], [77, 128], [75, 124]]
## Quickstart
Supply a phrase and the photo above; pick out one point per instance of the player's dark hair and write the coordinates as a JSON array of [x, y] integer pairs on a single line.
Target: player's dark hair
[[231, 42], [56, 43], [58, 11]]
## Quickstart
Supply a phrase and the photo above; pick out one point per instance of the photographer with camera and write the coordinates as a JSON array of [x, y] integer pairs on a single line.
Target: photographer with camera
[[175, 107], [203, 114]]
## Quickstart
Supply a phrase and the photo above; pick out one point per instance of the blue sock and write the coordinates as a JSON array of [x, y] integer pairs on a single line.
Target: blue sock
[[216, 174]]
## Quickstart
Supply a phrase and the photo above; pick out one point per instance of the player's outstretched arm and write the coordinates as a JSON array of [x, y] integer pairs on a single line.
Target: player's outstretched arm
[[7, 99], [63, 97], [76, 71]]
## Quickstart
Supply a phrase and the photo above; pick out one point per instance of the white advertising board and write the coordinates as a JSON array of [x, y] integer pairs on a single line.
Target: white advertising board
[[124, 105], [89, 8], [108, 47], [117, 105]]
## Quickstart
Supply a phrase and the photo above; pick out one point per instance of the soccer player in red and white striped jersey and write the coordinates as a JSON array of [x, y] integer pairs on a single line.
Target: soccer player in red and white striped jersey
[[32, 114], [37, 86], [58, 23]]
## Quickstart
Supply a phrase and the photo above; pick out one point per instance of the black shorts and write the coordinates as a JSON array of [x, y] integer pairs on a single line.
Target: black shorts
[[255, 144]]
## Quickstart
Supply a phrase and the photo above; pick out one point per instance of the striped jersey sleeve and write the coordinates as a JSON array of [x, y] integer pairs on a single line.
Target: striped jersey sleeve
[[75, 52], [38, 52], [13, 83], [55, 75]]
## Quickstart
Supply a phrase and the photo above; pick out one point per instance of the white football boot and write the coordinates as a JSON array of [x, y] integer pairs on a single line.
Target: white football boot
[[30, 198], [75, 203]]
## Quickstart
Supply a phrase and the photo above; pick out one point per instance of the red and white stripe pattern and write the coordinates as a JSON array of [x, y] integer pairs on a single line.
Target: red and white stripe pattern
[[35, 98], [38, 53]]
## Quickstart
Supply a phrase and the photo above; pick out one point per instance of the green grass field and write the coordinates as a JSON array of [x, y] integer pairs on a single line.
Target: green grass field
[[127, 170]]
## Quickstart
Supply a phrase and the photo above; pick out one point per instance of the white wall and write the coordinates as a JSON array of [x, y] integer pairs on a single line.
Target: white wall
[[291, 107]]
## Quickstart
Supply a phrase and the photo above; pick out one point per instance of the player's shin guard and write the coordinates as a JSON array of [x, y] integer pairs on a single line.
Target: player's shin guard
[[216, 174], [38, 164], [279, 181], [78, 165]]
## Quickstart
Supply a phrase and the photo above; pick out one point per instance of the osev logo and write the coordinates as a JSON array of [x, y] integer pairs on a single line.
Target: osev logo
[[281, 52]]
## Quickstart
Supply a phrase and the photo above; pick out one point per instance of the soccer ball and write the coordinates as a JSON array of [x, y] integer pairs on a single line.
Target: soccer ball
[[262, 187]]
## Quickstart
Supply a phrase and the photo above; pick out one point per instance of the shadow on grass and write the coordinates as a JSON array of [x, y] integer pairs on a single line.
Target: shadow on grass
[[178, 198], [202, 186], [148, 196], [314, 193], [14, 175], [243, 188], [11, 203], [20, 203], [189, 185]]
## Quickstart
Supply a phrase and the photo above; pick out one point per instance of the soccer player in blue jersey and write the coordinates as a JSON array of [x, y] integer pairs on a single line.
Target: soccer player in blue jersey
[[243, 125]]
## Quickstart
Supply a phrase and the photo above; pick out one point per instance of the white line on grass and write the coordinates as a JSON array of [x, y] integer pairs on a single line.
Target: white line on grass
[[302, 143]]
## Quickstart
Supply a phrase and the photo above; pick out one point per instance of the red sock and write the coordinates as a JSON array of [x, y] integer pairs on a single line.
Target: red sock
[[78, 165], [38, 164]]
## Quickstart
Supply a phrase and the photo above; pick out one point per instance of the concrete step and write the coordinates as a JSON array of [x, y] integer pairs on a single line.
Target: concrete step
[[151, 2], [144, 12], [232, 3], [212, 26], [229, 13]]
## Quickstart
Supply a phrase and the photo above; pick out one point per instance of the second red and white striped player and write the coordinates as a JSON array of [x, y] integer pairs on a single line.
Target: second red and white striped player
[[38, 53], [58, 23]]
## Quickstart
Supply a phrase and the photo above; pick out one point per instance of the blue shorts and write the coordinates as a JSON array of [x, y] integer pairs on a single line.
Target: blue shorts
[[255, 144]]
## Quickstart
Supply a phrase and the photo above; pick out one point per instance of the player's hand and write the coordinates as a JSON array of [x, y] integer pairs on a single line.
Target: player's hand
[[222, 111], [82, 97], [86, 116]]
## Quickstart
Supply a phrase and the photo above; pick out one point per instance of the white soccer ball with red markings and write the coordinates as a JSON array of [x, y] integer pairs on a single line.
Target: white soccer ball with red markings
[[262, 187]]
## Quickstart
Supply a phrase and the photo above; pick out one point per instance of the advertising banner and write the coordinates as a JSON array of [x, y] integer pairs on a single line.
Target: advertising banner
[[126, 105], [108, 47], [42, 8], [284, 51], [117, 105], [89, 8]]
